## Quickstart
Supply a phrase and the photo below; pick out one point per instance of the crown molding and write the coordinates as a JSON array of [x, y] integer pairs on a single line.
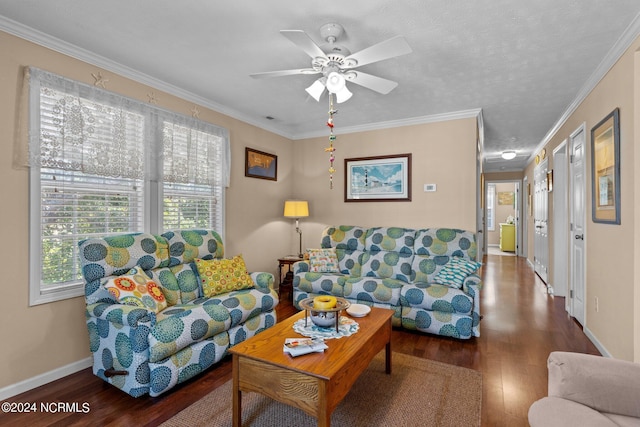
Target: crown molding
[[623, 43], [53, 43], [434, 118], [60, 46]]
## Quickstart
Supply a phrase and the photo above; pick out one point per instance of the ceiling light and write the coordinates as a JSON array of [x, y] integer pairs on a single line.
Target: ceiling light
[[343, 95], [335, 82], [317, 88], [508, 155]]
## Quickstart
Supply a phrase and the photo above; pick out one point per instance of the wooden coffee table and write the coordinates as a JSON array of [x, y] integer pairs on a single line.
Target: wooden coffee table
[[317, 382]]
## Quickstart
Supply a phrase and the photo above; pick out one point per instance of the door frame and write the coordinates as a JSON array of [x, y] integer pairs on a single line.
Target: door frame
[[517, 184], [541, 259], [526, 190], [559, 283]]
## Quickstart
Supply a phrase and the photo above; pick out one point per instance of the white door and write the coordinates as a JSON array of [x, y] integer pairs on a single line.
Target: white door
[[577, 226], [540, 219], [524, 215], [560, 280], [518, 206]]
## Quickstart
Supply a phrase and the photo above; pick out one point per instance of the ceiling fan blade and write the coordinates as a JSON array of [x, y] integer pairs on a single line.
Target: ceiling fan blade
[[391, 48], [377, 84], [304, 42], [304, 71]]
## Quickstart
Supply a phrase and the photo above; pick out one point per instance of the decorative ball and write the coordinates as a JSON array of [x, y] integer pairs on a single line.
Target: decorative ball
[[324, 319]]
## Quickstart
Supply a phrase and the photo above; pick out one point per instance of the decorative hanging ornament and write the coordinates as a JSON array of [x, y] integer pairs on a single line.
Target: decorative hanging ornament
[[331, 149]]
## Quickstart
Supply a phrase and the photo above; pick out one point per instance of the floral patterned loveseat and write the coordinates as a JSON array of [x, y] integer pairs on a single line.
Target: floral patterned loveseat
[[426, 276], [146, 350]]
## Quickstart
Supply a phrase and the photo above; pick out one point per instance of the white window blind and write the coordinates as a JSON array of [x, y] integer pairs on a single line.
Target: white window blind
[[75, 206], [192, 185], [95, 158]]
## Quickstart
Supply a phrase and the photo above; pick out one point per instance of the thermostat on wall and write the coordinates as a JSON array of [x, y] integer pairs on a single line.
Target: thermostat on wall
[[429, 188]]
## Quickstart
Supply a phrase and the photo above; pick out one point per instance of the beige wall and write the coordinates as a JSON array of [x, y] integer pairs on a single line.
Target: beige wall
[[442, 153], [51, 336], [612, 250], [39, 339]]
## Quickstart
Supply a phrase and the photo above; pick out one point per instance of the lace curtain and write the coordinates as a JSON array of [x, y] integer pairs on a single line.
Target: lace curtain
[[194, 152], [79, 127]]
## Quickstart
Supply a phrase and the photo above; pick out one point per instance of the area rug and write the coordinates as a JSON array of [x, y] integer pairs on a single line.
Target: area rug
[[418, 392]]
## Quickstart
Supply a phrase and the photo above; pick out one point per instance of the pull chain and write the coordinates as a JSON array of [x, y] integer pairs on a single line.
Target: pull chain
[[331, 149]]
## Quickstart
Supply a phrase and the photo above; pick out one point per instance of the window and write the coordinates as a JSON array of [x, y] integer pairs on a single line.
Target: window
[[98, 161], [491, 207], [191, 177]]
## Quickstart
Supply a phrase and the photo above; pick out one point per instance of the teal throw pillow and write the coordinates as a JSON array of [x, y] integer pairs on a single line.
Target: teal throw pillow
[[455, 271]]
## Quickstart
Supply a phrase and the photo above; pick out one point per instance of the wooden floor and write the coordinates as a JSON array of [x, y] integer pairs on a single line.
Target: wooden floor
[[521, 325]]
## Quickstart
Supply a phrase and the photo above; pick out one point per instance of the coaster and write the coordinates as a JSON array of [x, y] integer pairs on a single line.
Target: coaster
[[347, 327]]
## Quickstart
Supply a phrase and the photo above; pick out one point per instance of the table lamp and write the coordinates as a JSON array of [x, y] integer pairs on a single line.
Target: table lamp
[[297, 209]]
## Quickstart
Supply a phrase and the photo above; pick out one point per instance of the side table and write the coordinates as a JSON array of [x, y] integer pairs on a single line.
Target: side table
[[286, 282]]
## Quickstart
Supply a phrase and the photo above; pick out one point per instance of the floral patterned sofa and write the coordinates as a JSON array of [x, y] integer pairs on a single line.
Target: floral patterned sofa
[[426, 276], [178, 332]]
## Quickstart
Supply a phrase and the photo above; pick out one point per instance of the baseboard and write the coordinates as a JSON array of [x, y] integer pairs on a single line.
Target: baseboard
[[45, 378], [601, 348]]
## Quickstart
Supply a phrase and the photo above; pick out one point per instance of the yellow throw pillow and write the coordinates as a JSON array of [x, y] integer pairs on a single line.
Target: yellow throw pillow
[[136, 288], [219, 276]]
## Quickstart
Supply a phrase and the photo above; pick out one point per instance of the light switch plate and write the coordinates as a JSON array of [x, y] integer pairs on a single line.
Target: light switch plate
[[429, 188]]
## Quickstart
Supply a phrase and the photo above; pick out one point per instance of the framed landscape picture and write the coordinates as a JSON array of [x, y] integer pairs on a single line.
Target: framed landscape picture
[[258, 164], [378, 179], [605, 170]]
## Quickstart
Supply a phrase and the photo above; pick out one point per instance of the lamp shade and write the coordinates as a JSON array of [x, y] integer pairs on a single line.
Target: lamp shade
[[335, 82], [296, 208], [317, 88], [343, 95]]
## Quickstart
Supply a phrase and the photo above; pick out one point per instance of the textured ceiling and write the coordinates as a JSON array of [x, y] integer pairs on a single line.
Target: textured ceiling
[[522, 62]]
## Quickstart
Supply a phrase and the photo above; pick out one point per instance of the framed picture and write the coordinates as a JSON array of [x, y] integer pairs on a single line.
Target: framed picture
[[258, 164], [605, 169], [378, 179], [505, 198]]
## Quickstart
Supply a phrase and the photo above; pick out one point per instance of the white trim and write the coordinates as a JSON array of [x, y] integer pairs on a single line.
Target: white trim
[[630, 34], [45, 378], [601, 348], [560, 200], [533, 267], [53, 43], [434, 118]]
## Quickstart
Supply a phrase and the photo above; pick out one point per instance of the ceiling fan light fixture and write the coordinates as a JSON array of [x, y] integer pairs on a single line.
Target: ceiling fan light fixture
[[343, 95], [509, 154], [316, 89], [335, 82]]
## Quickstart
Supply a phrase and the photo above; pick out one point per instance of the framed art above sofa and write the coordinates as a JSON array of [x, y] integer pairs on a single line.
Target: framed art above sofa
[[378, 179]]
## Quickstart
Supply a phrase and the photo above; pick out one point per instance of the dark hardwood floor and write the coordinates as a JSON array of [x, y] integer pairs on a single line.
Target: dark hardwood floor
[[521, 325]]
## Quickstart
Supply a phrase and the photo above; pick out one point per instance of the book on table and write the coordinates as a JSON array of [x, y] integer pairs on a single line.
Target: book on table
[[299, 346]]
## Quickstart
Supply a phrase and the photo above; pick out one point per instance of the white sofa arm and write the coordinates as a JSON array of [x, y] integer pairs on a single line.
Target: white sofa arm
[[604, 384]]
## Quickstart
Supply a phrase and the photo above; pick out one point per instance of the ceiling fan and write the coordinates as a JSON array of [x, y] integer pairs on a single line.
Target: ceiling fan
[[337, 64]]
